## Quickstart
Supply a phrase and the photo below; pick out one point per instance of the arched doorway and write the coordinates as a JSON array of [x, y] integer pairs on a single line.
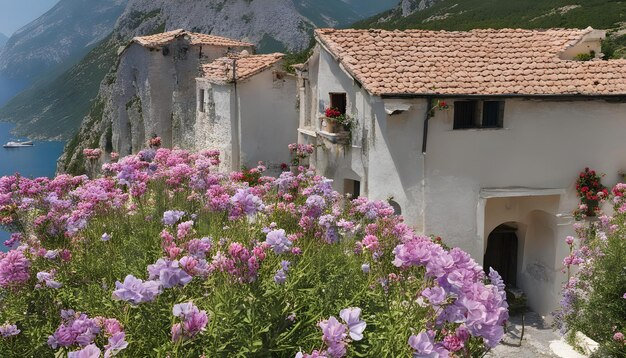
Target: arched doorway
[[501, 253]]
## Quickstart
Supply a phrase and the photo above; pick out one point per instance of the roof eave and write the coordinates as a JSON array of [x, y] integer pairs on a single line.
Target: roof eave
[[621, 97]]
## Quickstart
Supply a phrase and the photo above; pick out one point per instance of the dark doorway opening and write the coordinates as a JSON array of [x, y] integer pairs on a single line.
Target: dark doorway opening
[[501, 253]]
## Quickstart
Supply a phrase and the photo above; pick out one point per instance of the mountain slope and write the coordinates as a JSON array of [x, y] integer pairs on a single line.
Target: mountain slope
[[324, 13], [64, 33], [51, 109], [470, 14], [3, 40]]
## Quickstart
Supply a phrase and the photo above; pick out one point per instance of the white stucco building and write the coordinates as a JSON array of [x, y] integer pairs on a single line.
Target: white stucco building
[[155, 90], [494, 172], [247, 109]]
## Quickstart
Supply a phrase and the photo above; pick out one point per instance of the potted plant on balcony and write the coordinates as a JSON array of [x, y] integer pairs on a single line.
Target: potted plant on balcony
[[334, 121]]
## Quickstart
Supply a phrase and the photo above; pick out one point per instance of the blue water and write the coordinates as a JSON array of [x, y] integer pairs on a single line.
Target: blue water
[[36, 161]]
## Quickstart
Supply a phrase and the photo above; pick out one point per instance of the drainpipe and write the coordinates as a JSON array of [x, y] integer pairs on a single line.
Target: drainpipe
[[427, 115], [237, 130], [429, 107]]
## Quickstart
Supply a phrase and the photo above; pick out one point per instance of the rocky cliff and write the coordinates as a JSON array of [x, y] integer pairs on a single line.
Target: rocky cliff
[[273, 25], [54, 108]]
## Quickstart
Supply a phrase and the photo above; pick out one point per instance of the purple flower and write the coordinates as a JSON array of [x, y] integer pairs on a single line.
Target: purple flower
[[177, 332], [184, 309], [91, 351], [355, 325], [48, 279], [284, 264], [280, 277], [199, 248], [14, 268], [117, 343], [171, 217], [246, 203], [8, 330], [365, 268], [334, 334], [435, 295], [136, 291], [195, 323], [423, 346], [314, 205], [194, 320], [168, 273], [278, 241], [105, 237]]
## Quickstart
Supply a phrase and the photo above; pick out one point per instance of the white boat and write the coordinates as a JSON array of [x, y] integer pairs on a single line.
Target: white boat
[[18, 144]]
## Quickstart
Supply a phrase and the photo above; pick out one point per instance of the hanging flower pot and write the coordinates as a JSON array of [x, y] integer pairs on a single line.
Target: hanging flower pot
[[330, 125]]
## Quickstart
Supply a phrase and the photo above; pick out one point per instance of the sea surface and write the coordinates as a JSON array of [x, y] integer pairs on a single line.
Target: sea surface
[[36, 161]]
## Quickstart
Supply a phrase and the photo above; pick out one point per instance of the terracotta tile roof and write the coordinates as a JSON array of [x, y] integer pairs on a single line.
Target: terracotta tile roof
[[489, 62], [220, 70], [158, 40]]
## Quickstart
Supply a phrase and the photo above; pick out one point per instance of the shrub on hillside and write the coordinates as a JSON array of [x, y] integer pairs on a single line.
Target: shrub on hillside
[[163, 256], [594, 298]]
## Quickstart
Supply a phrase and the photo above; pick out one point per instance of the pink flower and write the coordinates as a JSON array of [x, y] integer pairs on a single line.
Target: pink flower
[[14, 269]]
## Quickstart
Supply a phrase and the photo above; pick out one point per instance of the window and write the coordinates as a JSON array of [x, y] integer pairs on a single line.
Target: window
[[338, 101], [201, 100], [352, 187], [478, 114]]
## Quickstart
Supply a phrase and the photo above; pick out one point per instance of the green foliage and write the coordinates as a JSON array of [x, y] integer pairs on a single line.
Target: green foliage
[[534, 14], [599, 307], [245, 320], [585, 56]]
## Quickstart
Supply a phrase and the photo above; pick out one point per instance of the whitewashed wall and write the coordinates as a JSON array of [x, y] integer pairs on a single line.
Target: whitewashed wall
[[544, 145], [269, 118]]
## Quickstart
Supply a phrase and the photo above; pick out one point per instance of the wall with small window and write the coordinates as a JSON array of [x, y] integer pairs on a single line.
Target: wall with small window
[[474, 114]]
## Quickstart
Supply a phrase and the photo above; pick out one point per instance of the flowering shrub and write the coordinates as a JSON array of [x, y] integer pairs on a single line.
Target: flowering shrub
[[154, 142], [299, 153], [594, 298], [591, 192], [191, 262], [92, 154]]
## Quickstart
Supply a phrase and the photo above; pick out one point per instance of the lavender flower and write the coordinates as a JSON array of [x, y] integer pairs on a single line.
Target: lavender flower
[[91, 351], [105, 237], [194, 321], [246, 202], [280, 277], [334, 335], [48, 279], [365, 268], [278, 241], [171, 217], [435, 295], [117, 343], [168, 273], [136, 291], [355, 325], [9, 330]]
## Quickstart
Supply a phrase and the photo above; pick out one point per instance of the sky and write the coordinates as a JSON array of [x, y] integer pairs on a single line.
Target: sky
[[17, 13]]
